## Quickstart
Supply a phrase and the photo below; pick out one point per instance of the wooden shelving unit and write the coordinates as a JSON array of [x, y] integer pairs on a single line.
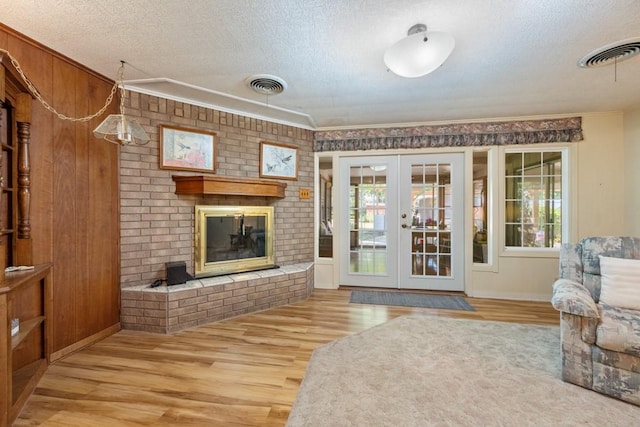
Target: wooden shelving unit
[[26, 295], [24, 357], [204, 185]]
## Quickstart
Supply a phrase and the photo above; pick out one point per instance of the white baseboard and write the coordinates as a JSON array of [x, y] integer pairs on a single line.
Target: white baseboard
[[510, 296]]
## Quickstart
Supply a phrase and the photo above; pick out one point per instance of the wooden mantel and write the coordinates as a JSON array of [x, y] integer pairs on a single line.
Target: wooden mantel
[[203, 185]]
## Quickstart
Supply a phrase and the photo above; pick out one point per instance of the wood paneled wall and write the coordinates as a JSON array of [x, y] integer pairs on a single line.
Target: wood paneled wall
[[75, 198]]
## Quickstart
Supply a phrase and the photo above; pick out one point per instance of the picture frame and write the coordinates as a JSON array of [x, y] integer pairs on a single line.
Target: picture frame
[[187, 149], [278, 161]]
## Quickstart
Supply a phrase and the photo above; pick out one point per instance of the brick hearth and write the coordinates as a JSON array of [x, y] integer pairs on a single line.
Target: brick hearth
[[167, 309]]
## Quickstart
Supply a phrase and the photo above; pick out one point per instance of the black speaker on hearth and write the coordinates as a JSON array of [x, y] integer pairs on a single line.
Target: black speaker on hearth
[[177, 273]]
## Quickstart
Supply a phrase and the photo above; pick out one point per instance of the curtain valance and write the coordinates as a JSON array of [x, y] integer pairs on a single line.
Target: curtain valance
[[452, 135]]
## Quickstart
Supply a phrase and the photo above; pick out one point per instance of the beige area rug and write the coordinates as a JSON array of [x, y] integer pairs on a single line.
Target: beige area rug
[[421, 370]]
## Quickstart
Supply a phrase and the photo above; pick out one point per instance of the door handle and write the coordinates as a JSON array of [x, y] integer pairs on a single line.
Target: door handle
[[404, 226]]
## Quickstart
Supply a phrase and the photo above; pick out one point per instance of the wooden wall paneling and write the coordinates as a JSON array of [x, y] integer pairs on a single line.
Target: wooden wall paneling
[[83, 271], [65, 210], [102, 287], [68, 185], [42, 185], [4, 37], [105, 213]]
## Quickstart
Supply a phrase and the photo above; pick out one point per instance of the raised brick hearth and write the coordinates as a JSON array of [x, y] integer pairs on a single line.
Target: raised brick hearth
[[169, 309]]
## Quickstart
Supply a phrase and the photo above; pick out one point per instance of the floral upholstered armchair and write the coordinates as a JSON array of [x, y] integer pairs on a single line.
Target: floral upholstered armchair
[[598, 295]]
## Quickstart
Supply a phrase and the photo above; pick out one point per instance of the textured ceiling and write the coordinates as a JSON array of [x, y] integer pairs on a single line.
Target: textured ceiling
[[512, 57]]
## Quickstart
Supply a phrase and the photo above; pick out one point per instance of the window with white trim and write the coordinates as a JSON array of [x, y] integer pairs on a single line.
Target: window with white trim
[[535, 198]]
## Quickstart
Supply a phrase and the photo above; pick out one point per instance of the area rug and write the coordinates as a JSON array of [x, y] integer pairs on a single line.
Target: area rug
[[421, 370], [410, 299]]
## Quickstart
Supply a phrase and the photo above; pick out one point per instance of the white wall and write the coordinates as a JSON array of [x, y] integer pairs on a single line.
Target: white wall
[[632, 171], [518, 278], [600, 194], [599, 180]]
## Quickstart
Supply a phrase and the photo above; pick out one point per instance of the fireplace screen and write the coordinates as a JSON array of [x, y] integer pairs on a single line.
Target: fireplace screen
[[231, 239]]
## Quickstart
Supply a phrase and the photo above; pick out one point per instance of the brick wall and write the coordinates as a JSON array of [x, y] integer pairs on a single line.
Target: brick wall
[[157, 225]]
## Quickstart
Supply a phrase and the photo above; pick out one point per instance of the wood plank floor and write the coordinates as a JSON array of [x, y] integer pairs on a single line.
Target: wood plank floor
[[240, 372]]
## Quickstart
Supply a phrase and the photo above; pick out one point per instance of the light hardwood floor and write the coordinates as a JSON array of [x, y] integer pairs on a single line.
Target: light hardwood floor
[[239, 372]]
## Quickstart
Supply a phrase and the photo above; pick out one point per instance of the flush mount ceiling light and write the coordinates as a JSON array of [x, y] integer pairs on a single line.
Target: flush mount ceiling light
[[420, 53], [118, 128]]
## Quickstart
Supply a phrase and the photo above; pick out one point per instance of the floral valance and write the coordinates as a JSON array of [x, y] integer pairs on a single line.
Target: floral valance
[[452, 135]]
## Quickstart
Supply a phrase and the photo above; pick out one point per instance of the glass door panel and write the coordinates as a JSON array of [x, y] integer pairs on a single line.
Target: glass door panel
[[367, 203], [369, 242], [431, 215]]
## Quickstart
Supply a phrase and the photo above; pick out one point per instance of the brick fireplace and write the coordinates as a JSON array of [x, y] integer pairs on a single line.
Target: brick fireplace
[[157, 225]]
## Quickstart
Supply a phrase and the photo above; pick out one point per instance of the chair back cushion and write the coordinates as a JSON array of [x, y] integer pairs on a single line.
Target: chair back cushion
[[620, 282], [611, 246]]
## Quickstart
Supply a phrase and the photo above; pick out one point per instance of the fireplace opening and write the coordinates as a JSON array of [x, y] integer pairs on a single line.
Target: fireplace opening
[[232, 239]]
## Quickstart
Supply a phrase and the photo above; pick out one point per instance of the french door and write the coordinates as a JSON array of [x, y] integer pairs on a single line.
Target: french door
[[403, 221]]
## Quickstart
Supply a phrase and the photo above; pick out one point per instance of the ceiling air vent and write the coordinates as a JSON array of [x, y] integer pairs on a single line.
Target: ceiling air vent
[[266, 84], [611, 53]]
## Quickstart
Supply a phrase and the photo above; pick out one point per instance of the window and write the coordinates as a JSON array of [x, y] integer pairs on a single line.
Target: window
[[535, 188], [480, 207], [325, 235]]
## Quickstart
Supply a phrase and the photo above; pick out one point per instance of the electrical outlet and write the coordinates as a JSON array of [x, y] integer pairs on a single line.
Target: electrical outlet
[[304, 193]]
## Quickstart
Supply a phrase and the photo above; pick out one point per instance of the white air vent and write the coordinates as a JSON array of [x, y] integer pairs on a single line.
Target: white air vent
[[266, 84], [611, 53]]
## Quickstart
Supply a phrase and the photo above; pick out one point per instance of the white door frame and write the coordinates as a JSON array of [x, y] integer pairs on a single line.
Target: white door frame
[[397, 237]]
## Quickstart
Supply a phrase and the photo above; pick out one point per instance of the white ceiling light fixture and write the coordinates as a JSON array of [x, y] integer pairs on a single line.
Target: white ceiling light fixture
[[118, 128], [420, 53]]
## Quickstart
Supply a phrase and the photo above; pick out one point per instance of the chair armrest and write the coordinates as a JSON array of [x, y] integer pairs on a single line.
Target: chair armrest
[[571, 297], [571, 261]]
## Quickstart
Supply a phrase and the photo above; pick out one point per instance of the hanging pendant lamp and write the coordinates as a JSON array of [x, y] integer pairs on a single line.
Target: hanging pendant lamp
[[118, 128]]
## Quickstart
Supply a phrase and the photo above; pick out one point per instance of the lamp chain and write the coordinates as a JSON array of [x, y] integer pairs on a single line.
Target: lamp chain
[[120, 80], [46, 105]]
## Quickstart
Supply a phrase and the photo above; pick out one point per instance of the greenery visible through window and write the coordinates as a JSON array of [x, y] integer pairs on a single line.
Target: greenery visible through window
[[533, 199]]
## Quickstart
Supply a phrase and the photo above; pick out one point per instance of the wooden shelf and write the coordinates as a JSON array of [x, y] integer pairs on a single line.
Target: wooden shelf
[[15, 279], [25, 328], [210, 185], [22, 378], [26, 295]]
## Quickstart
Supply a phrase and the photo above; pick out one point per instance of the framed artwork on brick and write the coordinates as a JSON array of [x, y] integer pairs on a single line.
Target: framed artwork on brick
[[187, 149], [278, 161]]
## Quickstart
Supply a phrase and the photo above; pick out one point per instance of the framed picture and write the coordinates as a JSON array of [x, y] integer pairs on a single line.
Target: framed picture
[[278, 161], [187, 149]]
